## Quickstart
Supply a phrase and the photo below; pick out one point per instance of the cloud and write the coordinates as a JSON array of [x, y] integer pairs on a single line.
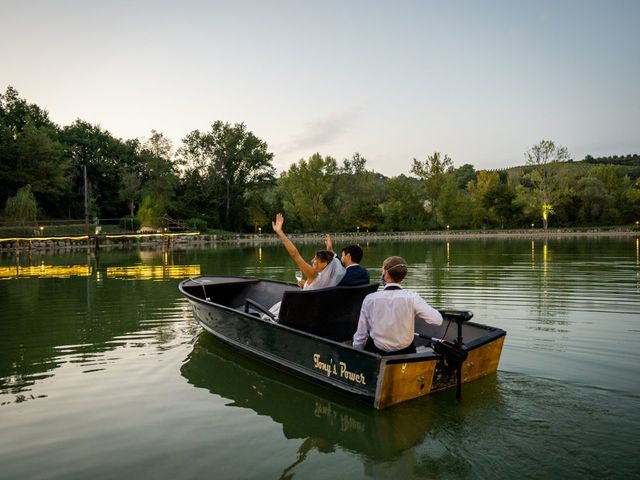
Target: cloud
[[321, 133]]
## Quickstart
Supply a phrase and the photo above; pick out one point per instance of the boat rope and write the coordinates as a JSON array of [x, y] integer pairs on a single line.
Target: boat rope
[[204, 290]]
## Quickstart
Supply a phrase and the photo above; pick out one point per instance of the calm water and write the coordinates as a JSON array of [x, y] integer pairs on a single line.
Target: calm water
[[104, 374]]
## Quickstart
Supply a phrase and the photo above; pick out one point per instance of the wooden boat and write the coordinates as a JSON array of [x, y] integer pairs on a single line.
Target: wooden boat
[[312, 338]]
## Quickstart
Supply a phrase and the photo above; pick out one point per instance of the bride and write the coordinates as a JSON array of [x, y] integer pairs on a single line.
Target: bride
[[325, 269]]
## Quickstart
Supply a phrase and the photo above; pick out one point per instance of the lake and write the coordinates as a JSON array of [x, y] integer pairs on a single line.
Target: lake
[[104, 374]]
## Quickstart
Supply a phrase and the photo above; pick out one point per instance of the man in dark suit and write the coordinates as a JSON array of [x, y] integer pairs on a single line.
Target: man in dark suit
[[351, 257], [355, 275]]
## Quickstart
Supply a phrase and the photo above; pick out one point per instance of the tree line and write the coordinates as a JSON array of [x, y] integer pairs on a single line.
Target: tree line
[[224, 178]]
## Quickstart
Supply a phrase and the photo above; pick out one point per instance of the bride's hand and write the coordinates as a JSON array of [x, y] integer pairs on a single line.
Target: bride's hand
[[277, 225]]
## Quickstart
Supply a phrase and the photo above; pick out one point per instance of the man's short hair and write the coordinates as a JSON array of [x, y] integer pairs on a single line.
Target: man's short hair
[[355, 251], [396, 267]]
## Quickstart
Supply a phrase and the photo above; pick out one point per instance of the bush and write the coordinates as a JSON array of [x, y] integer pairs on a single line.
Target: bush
[[198, 224], [22, 208], [131, 224]]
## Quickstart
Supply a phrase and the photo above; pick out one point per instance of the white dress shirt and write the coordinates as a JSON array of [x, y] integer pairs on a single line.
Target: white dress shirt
[[388, 317]]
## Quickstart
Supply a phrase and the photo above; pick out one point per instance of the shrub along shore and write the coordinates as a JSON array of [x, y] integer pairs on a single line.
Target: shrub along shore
[[184, 242]]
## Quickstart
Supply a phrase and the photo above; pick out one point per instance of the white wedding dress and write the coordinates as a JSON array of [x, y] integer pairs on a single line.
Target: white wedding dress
[[330, 276]]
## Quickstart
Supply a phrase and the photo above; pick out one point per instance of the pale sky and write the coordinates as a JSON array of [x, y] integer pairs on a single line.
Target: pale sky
[[393, 80]]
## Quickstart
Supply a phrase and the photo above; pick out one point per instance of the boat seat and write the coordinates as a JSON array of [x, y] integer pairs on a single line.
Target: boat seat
[[227, 293], [327, 312]]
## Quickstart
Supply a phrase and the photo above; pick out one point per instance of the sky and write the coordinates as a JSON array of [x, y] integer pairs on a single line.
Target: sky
[[480, 81]]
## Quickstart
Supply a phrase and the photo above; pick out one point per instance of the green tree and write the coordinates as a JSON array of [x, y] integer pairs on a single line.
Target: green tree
[[231, 160], [30, 153], [355, 196], [159, 177], [260, 202], [305, 188], [464, 175], [432, 172], [566, 203], [499, 201], [619, 186], [541, 157], [634, 202], [106, 160], [198, 197], [151, 212], [453, 205], [41, 162], [478, 190], [130, 190], [403, 207], [16, 114], [22, 208], [596, 204]]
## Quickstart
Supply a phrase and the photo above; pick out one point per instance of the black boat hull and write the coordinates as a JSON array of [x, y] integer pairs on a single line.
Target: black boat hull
[[381, 381]]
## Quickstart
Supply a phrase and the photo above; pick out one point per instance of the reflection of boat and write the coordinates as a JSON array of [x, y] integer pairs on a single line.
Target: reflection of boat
[[313, 332], [322, 418]]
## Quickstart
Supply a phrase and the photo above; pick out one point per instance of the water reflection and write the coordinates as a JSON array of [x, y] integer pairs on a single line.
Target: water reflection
[[548, 310], [44, 271], [448, 258], [49, 321], [533, 255], [153, 272], [324, 420], [140, 271], [96, 345]]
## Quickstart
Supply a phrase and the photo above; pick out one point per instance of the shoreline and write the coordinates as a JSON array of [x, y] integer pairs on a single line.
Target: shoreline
[[177, 241]]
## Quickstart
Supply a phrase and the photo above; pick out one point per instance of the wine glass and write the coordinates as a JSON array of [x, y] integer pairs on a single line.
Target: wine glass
[[298, 275]]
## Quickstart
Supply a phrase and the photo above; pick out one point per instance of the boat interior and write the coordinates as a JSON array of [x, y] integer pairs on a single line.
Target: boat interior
[[330, 313]]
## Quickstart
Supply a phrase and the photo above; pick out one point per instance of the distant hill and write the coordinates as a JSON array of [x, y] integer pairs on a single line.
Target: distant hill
[[628, 165], [626, 160]]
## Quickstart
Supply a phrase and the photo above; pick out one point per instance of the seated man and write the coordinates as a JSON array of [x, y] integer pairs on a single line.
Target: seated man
[[351, 257], [387, 318], [355, 274]]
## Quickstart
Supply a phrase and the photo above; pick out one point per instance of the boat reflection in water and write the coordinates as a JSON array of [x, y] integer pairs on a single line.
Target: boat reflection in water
[[322, 418]]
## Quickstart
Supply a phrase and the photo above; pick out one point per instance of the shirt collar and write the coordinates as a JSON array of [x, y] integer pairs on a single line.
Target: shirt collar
[[395, 285]]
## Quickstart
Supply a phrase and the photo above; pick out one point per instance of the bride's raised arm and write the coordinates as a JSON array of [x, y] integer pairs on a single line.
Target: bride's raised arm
[[307, 270]]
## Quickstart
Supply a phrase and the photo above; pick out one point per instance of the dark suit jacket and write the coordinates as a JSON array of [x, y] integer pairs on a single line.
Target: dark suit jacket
[[356, 275]]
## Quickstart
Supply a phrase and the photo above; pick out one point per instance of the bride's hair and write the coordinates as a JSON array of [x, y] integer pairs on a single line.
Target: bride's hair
[[324, 255], [330, 275]]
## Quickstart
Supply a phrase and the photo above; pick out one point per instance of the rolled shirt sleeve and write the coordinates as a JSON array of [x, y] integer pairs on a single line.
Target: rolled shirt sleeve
[[426, 312]]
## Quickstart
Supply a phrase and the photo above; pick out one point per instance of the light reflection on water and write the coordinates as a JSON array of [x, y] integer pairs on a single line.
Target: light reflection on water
[[117, 375], [44, 271]]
